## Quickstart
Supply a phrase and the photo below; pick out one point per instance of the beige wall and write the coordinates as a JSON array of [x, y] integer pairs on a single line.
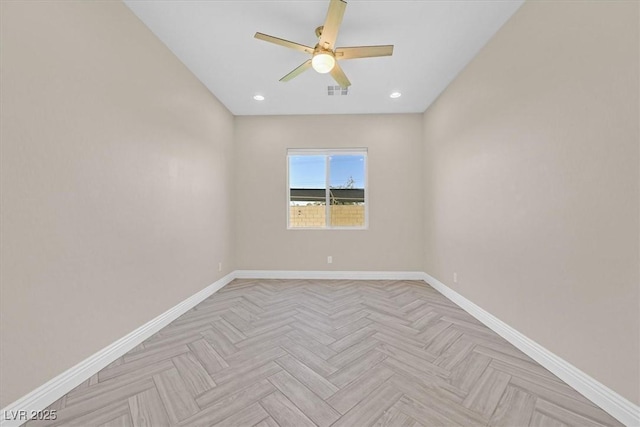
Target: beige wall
[[392, 241], [115, 184], [531, 183]]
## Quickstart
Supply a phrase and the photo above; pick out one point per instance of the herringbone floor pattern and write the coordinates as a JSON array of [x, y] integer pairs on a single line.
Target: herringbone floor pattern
[[325, 353]]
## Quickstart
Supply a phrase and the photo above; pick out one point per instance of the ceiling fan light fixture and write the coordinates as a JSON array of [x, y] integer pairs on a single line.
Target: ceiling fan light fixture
[[323, 62], [324, 53]]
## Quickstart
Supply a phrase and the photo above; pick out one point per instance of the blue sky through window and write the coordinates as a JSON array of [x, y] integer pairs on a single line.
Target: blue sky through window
[[309, 171]]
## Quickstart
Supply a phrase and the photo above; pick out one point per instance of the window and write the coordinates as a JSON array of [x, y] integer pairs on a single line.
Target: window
[[326, 189]]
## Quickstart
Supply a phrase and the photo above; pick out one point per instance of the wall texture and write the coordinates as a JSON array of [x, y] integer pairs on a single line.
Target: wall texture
[[116, 187], [393, 240], [532, 184]]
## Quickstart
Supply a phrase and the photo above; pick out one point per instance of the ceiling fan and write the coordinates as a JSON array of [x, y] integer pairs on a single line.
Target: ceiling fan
[[325, 54]]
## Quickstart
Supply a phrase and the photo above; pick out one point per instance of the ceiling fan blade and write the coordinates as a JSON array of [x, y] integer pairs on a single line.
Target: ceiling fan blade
[[332, 24], [363, 51], [302, 68], [339, 76], [283, 42]]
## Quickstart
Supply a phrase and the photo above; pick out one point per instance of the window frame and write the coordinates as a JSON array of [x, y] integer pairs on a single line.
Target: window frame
[[327, 152]]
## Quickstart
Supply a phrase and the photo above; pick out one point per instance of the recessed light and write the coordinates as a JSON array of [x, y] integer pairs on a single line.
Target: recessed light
[[258, 97], [395, 95]]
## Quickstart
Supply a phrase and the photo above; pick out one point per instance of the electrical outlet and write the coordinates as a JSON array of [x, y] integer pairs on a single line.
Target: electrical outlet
[[219, 266], [329, 259], [455, 277]]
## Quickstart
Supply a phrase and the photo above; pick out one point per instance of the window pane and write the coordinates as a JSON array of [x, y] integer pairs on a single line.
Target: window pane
[[346, 182], [307, 191]]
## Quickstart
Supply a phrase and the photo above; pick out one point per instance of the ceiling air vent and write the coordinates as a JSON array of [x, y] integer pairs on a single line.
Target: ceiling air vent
[[337, 91]]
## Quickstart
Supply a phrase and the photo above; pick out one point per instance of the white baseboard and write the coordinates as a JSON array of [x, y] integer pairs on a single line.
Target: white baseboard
[[617, 406], [329, 275], [53, 390]]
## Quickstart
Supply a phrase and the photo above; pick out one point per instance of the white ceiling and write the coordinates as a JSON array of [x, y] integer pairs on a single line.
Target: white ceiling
[[433, 41]]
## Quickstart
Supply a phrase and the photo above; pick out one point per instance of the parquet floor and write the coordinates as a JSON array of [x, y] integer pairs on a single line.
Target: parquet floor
[[325, 353]]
